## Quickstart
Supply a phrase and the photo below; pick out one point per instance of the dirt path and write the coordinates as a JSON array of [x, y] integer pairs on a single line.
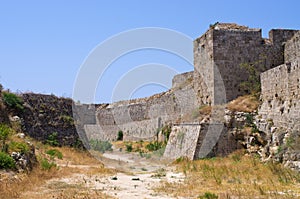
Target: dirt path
[[138, 176], [135, 178]]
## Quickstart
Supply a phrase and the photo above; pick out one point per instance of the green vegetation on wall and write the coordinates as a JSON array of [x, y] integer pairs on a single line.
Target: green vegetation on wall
[[13, 101]]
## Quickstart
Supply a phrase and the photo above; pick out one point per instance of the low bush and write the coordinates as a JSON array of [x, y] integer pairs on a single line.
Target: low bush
[[154, 146], [4, 133], [46, 165], [208, 195], [128, 147], [18, 147], [13, 101], [6, 162], [52, 139], [101, 146], [55, 153]]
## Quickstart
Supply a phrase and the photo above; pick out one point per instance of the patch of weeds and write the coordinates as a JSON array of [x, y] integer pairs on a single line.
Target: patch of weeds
[[159, 173], [18, 147], [181, 159], [101, 146], [46, 165], [128, 147], [4, 133], [6, 162], [154, 146], [54, 153], [285, 175], [236, 157], [13, 101], [208, 195], [52, 139]]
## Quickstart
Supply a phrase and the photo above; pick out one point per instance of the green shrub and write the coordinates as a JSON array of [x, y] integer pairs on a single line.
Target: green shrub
[[54, 153], [13, 101], [4, 133], [208, 195], [120, 136], [18, 147], [252, 85], [46, 165], [52, 139], [101, 146], [6, 162], [154, 146], [128, 147]]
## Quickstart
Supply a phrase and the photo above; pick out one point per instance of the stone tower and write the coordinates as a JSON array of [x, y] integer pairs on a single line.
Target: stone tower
[[220, 52]]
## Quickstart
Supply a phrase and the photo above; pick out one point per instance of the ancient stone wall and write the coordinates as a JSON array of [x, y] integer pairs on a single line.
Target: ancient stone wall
[[281, 89], [142, 118], [201, 140], [292, 50], [281, 95], [227, 47], [182, 142], [44, 115], [203, 68], [181, 80]]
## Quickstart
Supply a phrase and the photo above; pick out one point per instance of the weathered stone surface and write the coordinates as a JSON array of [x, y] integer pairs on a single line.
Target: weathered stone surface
[[46, 114], [182, 141], [279, 114]]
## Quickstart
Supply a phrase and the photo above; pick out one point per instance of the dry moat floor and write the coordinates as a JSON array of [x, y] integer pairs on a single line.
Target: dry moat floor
[[129, 175]]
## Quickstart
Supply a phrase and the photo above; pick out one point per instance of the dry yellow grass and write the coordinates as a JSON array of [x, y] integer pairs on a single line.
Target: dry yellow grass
[[247, 103], [73, 162], [236, 176]]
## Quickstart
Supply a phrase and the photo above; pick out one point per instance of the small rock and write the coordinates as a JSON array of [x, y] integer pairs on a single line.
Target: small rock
[[114, 178], [21, 135]]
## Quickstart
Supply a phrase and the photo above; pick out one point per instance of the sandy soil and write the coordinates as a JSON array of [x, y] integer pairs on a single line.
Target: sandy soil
[[135, 178]]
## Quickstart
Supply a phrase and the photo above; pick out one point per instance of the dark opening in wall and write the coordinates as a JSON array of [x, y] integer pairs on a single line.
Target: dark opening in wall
[[276, 95]]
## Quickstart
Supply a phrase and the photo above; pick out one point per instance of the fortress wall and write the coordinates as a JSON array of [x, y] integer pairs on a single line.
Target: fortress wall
[[292, 49], [232, 48], [281, 89], [181, 79], [203, 68], [281, 96], [194, 142], [228, 47], [141, 118]]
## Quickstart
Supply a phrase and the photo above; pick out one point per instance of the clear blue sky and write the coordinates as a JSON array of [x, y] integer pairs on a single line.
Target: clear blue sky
[[43, 43]]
